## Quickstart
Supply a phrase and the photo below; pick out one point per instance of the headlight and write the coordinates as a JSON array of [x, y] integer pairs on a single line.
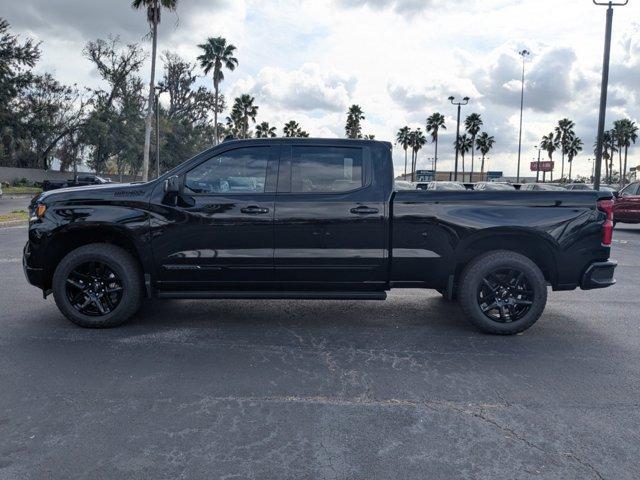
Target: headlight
[[38, 212]]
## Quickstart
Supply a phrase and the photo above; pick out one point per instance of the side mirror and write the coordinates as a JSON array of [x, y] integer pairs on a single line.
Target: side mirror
[[172, 184]]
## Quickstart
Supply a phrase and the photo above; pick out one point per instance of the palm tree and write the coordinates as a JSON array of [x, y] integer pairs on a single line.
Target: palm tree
[[245, 110], [472, 125], [216, 55], [353, 128], [402, 139], [463, 144], [625, 132], [550, 143], [564, 133], [153, 17], [264, 130], [575, 146], [608, 151], [435, 123], [484, 143], [292, 129], [418, 140]]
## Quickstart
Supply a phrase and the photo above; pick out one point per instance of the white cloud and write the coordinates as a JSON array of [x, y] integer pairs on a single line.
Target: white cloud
[[398, 59]]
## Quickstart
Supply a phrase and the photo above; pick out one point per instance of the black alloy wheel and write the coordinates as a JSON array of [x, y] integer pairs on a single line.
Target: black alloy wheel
[[94, 289], [505, 295]]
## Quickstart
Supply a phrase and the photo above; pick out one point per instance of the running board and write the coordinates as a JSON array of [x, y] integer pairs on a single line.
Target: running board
[[268, 295]]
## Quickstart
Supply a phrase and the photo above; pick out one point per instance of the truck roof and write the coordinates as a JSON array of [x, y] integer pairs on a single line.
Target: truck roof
[[308, 140]]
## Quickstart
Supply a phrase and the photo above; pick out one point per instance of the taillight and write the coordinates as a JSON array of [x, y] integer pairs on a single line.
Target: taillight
[[606, 206]]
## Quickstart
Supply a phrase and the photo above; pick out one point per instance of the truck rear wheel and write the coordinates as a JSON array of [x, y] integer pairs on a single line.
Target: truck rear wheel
[[502, 292], [98, 286]]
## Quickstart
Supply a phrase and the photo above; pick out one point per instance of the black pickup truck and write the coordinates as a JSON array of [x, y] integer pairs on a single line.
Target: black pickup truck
[[312, 219], [77, 181]]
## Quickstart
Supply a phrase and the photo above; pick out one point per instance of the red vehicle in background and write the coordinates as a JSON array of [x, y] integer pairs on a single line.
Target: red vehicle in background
[[627, 206]]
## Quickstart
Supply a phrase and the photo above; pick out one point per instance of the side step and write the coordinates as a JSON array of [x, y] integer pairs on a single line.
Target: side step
[[275, 295]]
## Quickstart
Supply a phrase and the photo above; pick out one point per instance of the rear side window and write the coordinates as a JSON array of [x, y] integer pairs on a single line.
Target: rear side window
[[326, 169]]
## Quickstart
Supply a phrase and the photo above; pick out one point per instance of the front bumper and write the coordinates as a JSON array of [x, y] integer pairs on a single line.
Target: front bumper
[[35, 276], [599, 275]]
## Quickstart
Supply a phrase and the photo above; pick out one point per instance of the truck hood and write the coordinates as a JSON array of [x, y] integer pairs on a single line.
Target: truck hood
[[107, 191]]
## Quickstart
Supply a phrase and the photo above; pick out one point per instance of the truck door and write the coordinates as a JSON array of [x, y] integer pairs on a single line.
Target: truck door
[[219, 233], [330, 220]]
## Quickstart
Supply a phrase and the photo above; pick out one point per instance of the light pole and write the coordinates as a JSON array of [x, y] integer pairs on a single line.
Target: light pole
[[523, 54], [464, 101], [604, 85], [538, 169]]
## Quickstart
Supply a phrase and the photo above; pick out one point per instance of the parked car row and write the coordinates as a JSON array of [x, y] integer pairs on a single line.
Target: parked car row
[[626, 206]]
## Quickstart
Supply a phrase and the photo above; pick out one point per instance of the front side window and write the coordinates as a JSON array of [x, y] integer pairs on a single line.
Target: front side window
[[630, 189], [243, 170], [326, 169]]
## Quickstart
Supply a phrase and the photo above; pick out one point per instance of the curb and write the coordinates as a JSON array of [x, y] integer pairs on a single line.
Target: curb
[[14, 223]]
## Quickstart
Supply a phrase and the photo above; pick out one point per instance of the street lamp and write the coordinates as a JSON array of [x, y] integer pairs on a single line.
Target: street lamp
[[523, 54], [464, 101], [604, 85]]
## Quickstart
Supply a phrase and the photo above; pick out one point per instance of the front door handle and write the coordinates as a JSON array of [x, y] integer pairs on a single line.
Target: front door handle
[[254, 210], [363, 210]]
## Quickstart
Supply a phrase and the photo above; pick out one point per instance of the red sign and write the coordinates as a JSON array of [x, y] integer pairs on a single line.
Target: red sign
[[545, 166]]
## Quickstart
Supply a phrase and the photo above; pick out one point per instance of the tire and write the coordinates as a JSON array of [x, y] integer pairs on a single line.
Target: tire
[[120, 265], [528, 288]]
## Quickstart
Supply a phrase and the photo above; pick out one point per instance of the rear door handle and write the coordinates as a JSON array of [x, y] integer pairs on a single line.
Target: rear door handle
[[363, 210], [254, 210]]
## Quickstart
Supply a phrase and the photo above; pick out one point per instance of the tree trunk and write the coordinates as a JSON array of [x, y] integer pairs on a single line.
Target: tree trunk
[[149, 120], [626, 151], [414, 154], [473, 142], [562, 169], [405, 163], [482, 169], [215, 109], [570, 165], [435, 159], [620, 175]]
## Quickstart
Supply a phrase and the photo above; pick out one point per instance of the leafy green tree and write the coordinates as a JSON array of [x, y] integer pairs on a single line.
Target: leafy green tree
[[575, 147], [107, 132], [625, 133], [564, 133], [353, 127], [464, 145], [417, 141], [472, 125], [435, 123], [217, 54], [484, 143], [291, 129], [245, 111], [185, 125], [402, 139], [550, 143], [264, 130], [153, 8]]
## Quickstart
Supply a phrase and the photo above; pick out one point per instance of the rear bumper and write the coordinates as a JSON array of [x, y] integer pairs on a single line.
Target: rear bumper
[[599, 275]]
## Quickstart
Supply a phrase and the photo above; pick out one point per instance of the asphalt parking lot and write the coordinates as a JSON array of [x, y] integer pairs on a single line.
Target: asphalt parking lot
[[321, 389]]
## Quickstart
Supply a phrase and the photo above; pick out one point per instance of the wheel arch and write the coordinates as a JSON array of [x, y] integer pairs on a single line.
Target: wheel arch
[[536, 246], [67, 239]]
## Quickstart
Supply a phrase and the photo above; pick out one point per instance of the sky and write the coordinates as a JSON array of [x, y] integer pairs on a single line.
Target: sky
[[400, 60]]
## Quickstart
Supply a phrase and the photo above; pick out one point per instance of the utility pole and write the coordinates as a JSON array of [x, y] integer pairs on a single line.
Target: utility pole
[[604, 86], [523, 54], [464, 101]]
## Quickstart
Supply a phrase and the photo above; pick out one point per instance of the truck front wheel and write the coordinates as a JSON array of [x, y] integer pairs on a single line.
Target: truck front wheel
[[98, 285], [502, 292]]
